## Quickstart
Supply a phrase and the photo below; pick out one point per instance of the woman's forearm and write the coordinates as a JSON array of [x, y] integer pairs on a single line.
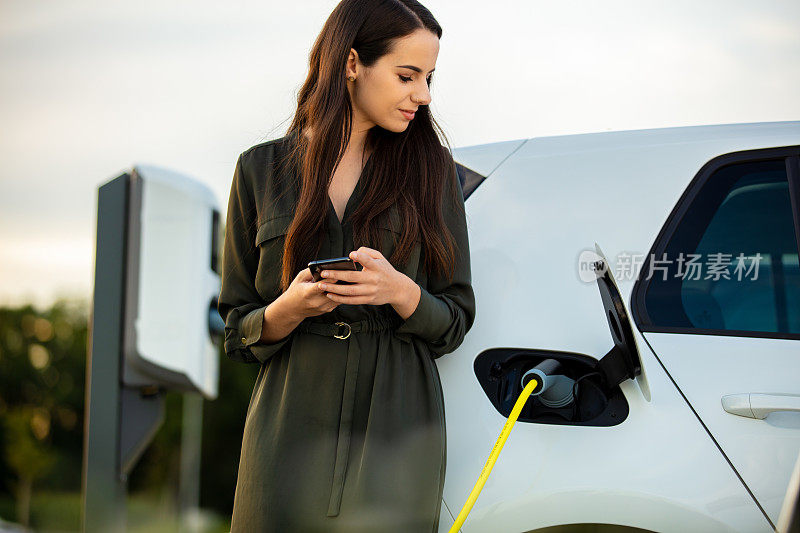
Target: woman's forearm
[[280, 318]]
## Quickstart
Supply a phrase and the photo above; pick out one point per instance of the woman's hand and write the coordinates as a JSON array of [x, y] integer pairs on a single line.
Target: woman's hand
[[376, 284], [306, 298]]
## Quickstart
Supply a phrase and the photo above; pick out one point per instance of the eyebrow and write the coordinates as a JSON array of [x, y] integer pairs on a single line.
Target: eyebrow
[[412, 67]]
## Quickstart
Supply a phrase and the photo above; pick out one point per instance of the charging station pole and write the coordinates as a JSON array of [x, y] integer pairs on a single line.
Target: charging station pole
[[119, 420], [103, 491]]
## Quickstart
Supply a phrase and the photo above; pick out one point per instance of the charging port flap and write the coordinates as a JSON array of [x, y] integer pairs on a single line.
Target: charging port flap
[[622, 361]]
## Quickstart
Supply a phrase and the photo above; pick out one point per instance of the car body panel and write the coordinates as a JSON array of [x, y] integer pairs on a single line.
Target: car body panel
[[486, 158], [549, 200], [708, 367]]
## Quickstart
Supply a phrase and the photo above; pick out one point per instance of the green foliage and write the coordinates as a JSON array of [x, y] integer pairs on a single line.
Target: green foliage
[[42, 358], [42, 386], [26, 428]]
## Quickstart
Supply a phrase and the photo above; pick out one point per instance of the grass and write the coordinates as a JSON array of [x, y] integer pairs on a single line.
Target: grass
[[60, 512]]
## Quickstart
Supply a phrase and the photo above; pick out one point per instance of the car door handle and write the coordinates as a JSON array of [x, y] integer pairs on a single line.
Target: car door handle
[[759, 405]]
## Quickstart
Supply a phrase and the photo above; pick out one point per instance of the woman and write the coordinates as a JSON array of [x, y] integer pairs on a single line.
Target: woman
[[345, 427]]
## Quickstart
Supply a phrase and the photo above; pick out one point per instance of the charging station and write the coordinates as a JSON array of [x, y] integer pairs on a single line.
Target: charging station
[[153, 326]]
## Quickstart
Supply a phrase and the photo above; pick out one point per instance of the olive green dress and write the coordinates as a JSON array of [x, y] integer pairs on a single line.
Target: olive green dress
[[341, 434]]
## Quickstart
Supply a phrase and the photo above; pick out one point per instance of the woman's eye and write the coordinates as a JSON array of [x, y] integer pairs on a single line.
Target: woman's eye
[[407, 79]]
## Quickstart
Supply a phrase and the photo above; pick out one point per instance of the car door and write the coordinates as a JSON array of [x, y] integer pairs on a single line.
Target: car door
[[718, 301]]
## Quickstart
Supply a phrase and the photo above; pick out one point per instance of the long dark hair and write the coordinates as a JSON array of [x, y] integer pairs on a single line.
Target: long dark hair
[[408, 171]]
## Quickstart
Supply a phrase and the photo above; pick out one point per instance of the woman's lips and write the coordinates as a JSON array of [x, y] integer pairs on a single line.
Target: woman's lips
[[408, 115]]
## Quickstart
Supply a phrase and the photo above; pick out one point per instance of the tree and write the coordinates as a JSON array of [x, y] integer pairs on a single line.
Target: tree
[[27, 428]]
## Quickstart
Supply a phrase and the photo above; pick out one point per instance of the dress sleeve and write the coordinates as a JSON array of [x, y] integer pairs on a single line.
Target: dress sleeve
[[239, 304], [446, 309]]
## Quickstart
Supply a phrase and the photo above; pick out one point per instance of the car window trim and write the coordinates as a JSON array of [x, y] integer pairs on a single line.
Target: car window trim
[[791, 156]]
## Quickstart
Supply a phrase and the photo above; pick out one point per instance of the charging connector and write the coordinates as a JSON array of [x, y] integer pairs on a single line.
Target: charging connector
[[554, 389]]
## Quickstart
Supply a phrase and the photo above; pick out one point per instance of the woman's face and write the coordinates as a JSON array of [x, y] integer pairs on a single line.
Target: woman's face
[[397, 81]]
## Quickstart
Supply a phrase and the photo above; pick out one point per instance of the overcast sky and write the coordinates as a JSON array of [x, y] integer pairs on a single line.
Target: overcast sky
[[90, 88]]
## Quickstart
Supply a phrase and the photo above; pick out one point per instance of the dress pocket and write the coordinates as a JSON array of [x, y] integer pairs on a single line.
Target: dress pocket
[[270, 238], [391, 233]]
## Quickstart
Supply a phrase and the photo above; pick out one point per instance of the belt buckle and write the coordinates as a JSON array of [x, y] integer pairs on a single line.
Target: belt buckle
[[339, 335]]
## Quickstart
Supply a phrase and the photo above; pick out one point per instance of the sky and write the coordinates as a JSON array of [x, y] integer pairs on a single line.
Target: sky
[[88, 89]]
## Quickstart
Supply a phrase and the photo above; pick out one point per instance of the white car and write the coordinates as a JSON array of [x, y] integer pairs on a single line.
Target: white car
[[692, 420]]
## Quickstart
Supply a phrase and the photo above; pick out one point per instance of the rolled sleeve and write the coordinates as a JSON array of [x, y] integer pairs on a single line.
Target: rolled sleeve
[[446, 308], [252, 324], [238, 303]]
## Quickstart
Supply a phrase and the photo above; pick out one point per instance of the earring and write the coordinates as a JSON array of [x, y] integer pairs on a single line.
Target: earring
[[352, 78]]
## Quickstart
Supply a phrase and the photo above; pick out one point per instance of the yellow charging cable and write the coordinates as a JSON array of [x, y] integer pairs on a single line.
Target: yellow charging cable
[[498, 446]]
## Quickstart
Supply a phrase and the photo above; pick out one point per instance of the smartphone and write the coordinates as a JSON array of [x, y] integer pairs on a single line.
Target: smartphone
[[336, 263]]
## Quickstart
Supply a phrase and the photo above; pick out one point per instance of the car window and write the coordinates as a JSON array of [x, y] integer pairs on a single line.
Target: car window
[[469, 179], [732, 260]]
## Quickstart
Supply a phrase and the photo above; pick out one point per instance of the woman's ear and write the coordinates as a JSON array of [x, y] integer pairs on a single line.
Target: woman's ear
[[352, 62]]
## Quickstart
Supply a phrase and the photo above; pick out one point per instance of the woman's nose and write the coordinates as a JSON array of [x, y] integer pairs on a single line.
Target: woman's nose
[[422, 97]]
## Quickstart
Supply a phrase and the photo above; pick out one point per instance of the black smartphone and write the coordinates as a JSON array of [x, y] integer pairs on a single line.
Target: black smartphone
[[336, 263]]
